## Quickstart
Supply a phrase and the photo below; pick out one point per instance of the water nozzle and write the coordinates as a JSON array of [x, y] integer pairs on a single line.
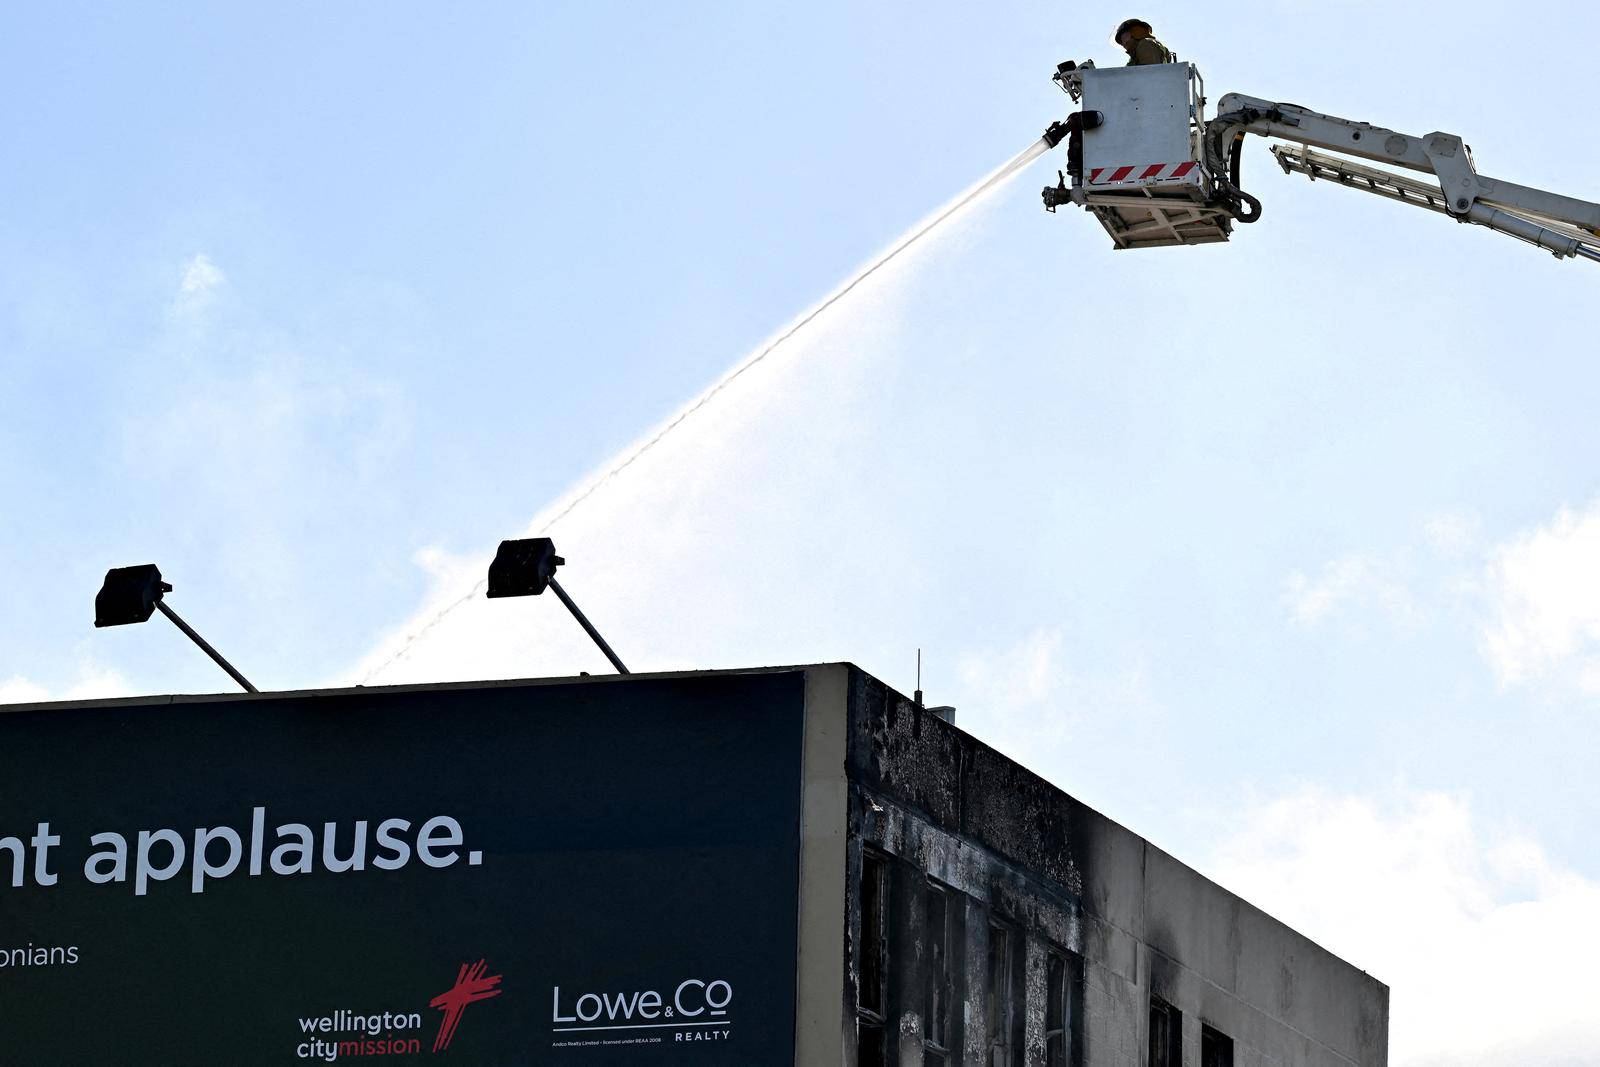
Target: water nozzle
[[1058, 194], [1068, 76]]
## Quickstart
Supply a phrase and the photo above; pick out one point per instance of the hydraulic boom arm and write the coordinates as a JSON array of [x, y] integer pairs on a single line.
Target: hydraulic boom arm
[[1559, 224]]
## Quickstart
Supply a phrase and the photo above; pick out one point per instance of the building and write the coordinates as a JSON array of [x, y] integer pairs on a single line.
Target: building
[[995, 920], [779, 866]]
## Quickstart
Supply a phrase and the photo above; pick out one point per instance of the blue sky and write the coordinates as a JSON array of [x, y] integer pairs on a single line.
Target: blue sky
[[1292, 540]]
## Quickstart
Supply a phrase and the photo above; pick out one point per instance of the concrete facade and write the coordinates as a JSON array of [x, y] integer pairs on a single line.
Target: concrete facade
[[1054, 918]]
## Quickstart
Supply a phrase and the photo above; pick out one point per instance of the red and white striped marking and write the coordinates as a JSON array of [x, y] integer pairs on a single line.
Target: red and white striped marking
[[1154, 172]]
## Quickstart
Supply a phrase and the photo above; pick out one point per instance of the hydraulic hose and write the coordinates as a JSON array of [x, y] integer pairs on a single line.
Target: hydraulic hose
[[1224, 136], [1235, 162]]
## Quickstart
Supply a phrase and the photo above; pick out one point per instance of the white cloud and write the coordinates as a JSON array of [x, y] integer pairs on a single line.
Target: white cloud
[[201, 279], [92, 683], [1544, 604], [1532, 600], [1486, 944], [1351, 581], [19, 690]]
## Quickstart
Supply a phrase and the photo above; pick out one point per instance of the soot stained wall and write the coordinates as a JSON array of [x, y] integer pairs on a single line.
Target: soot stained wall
[[944, 810]]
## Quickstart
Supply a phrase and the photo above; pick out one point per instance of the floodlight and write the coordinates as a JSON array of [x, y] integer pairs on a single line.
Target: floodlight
[[132, 594], [129, 595], [525, 568]]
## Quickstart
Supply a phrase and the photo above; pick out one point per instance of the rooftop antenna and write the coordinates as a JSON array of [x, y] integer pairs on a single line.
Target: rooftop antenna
[[918, 697], [131, 594], [525, 568]]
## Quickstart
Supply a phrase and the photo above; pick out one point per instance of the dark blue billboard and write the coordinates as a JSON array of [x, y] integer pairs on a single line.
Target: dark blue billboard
[[594, 872]]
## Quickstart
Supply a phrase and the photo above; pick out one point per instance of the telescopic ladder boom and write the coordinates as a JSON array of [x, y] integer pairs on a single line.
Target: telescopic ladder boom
[[1562, 225], [1143, 159]]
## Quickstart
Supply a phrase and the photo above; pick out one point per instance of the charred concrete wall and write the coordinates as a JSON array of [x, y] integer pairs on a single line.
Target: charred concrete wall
[[994, 920]]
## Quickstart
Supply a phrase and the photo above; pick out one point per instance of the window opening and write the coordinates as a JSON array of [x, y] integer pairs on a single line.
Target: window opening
[[1001, 1011], [1063, 977], [1166, 1034], [936, 931], [1216, 1048], [872, 963]]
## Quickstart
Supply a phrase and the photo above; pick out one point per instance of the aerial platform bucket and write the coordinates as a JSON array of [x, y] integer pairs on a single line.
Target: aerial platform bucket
[[1144, 175]]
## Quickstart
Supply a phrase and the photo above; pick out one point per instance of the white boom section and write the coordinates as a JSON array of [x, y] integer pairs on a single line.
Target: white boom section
[[1559, 224]]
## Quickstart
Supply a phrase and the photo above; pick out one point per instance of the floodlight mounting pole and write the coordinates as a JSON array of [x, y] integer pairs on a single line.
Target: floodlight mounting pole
[[526, 567], [161, 606], [588, 626]]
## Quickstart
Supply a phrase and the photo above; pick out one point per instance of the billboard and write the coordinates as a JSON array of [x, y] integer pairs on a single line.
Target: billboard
[[589, 873]]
